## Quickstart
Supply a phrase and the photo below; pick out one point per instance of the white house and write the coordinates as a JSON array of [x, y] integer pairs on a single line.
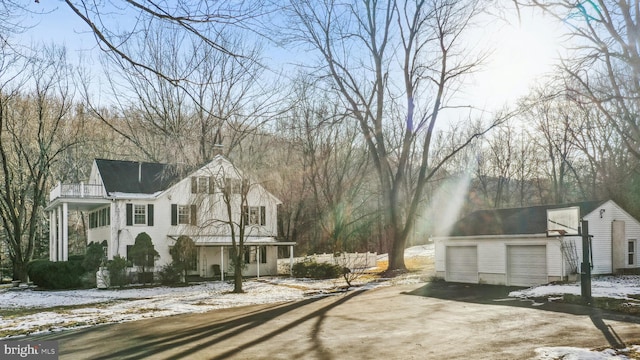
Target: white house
[[126, 198], [511, 246]]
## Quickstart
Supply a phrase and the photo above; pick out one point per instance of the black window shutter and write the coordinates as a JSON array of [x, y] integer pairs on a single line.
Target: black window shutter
[[263, 215], [194, 215], [150, 214], [174, 214], [129, 253], [194, 184], [129, 214]]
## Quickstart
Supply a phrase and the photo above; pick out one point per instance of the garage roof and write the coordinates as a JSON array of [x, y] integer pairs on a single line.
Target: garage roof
[[525, 220]]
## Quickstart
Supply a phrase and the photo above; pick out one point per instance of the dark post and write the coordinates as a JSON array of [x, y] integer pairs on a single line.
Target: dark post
[[585, 274]]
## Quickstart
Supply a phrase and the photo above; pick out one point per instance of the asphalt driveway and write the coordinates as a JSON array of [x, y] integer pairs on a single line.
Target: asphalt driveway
[[432, 321]]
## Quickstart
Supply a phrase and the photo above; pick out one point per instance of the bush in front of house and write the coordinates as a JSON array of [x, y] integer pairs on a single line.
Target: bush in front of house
[[56, 275], [118, 271], [170, 274], [183, 254], [315, 270], [94, 257], [144, 254]]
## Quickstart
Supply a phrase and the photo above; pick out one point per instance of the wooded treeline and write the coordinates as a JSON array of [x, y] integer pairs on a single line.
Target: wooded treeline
[[363, 139]]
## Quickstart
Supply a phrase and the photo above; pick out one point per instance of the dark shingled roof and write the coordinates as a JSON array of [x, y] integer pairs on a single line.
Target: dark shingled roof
[[526, 220], [136, 177]]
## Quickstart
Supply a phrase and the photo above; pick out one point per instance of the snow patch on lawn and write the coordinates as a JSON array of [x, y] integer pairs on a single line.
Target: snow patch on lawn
[[572, 353], [112, 306], [616, 287]]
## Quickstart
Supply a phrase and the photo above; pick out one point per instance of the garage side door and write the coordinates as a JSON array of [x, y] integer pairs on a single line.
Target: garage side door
[[462, 264], [527, 265]]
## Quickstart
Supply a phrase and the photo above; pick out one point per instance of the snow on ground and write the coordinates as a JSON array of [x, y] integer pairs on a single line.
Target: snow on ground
[[571, 353], [427, 250], [29, 311], [77, 308], [616, 287]]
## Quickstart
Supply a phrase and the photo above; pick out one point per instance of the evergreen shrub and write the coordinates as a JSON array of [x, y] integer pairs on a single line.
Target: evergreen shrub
[[56, 275], [315, 270]]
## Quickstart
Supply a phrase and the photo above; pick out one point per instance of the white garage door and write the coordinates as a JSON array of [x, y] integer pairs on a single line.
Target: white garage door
[[527, 265], [462, 264]]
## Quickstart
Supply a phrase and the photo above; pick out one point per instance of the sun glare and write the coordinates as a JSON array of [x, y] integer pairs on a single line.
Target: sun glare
[[524, 51]]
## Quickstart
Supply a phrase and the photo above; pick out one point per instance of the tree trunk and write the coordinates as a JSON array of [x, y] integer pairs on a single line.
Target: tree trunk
[[237, 270], [237, 280], [20, 270], [396, 256]]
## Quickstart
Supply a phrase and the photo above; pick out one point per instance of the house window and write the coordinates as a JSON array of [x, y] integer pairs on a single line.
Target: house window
[[255, 215], [183, 214], [232, 185], [105, 248], [104, 218], [139, 214], [631, 253], [93, 220], [202, 185], [251, 254], [263, 254], [100, 218]]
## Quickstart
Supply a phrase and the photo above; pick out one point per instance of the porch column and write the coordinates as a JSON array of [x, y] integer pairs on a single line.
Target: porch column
[[258, 262], [65, 232], [59, 240], [221, 263], [52, 235], [291, 260]]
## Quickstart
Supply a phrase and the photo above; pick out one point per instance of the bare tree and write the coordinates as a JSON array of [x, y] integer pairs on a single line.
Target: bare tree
[[604, 68], [554, 120], [35, 129], [115, 26], [394, 64], [224, 100]]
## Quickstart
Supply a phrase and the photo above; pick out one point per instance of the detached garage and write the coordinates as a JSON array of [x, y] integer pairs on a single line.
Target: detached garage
[[511, 246]]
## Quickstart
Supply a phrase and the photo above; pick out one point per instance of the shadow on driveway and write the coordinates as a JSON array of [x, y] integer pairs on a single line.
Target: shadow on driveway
[[499, 295], [181, 336]]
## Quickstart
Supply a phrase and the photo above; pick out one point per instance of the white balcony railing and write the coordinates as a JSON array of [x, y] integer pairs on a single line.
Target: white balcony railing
[[80, 190]]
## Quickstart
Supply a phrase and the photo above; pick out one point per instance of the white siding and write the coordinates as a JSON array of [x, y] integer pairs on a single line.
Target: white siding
[[600, 228], [492, 254], [211, 212]]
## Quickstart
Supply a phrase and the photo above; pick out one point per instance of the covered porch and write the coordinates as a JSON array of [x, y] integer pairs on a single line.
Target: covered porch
[[63, 199], [261, 255]]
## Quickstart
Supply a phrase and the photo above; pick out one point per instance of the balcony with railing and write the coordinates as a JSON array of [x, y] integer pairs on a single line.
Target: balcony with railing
[[77, 191]]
